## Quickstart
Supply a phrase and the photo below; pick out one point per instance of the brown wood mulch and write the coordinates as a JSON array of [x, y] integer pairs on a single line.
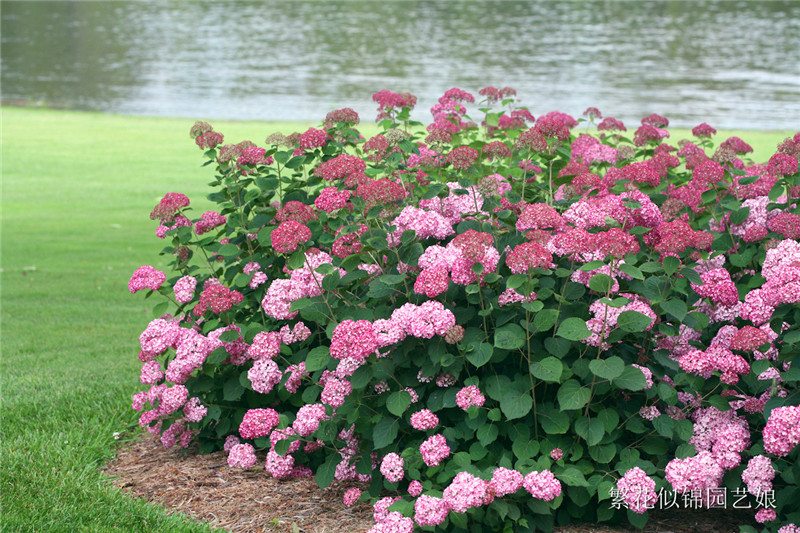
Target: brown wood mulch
[[206, 489]]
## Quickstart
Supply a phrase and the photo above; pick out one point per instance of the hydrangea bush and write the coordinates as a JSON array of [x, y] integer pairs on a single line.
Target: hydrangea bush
[[509, 324]]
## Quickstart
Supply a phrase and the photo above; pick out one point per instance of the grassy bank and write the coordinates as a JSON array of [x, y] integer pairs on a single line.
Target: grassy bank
[[77, 191]]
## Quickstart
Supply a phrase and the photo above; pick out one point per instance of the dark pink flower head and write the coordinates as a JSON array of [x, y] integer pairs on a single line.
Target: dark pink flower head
[[330, 199], [462, 157], [790, 146], [288, 235], [616, 242], [348, 243], [611, 124], [647, 133], [228, 153], [748, 339], [340, 167], [528, 255], [656, 120], [169, 206], [703, 130], [523, 114], [782, 164], [492, 94], [718, 287], [258, 423], [458, 95], [341, 116], [552, 127], [296, 211], [209, 140], [146, 277], [354, 339], [531, 139], [708, 172], [643, 173], [496, 149], [473, 244], [313, 138], [389, 102], [217, 298], [252, 155], [782, 432], [592, 113], [539, 216], [380, 192], [785, 224], [737, 145], [209, 221]]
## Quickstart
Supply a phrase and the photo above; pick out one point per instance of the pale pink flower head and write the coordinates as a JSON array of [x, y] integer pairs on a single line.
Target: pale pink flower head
[[430, 510], [469, 396], [415, 488], [782, 432], [766, 515], [184, 289], [542, 485], [354, 339], [242, 456], [313, 138], [392, 467], [424, 419], [434, 449], [637, 490], [505, 481], [209, 221], [464, 492]]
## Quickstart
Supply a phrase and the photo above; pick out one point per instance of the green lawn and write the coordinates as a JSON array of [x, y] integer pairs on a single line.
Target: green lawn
[[77, 189]]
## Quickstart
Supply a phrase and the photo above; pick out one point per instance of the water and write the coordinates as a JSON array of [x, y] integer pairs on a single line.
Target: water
[[729, 63]]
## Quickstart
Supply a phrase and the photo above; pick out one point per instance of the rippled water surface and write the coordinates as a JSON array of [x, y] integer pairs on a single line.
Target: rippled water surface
[[731, 64]]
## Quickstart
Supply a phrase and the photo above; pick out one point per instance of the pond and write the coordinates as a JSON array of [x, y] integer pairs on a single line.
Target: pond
[[733, 64]]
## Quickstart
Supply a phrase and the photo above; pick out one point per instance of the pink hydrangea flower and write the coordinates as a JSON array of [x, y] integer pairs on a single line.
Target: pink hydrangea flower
[[637, 490], [351, 496], [542, 485], [434, 449], [392, 467], [469, 396], [146, 277], [782, 432], [415, 488], [184, 289], [242, 456], [758, 475], [766, 515], [209, 221], [353, 339], [264, 375], [288, 235], [430, 510], [424, 419], [505, 481], [308, 418], [464, 492], [258, 423]]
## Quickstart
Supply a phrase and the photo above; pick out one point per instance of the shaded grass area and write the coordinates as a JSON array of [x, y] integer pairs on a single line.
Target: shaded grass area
[[77, 189]]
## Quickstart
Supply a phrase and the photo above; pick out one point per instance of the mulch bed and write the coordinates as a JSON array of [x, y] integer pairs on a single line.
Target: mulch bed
[[205, 488]]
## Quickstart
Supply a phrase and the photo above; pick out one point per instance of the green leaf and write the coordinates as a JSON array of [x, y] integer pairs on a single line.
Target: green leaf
[[525, 448], [398, 402], [574, 329], [572, 477], [632, 271], [675, 307], [607, 368], [232, 390], [633, 321], [509, 337], [229, 336], [571, 395], [632, 379], [603, 454], [664, 425], [740, 215], [609, 418], [480, 355], [591, 429], [228, 250], [318, 358], [548, 369], [295, 162], [723, 242], [553, 421], [161, 308], [384, 433], [487, 433], [720, 402], [671, 264], [516, 403], [327, 470], [545, 319], [600, 283]]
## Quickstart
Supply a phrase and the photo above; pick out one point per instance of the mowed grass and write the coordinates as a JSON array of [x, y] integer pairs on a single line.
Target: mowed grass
[[77, 189]]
